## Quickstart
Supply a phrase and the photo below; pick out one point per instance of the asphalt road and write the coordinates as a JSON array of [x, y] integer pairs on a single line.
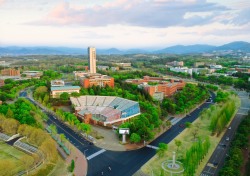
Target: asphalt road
[[217, 159], [122, 163]]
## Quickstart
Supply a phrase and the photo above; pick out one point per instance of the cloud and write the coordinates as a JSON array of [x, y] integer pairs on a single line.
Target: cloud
[[2, 2], [145, 13]]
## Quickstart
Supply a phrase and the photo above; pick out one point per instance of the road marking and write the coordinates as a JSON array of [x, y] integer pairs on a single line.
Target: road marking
[[153, 147], [95, 154], [244, 108], [175, 120], [241, 113]]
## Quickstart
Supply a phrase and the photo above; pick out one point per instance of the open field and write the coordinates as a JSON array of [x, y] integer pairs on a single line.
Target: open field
[[13, 160], [186, 137]]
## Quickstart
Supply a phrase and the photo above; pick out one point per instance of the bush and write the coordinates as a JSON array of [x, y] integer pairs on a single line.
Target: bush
[[72, 166]]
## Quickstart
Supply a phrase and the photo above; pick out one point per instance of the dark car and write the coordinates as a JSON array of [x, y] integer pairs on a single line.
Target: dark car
[[215, 164], [182, 125]]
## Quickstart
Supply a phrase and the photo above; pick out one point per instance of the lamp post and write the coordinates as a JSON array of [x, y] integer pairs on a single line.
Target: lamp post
[[84, 152]]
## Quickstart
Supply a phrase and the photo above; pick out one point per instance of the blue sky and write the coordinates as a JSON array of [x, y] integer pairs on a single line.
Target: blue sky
[[123, 23]]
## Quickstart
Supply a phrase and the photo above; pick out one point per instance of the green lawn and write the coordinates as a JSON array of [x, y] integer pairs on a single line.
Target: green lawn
[[187, 139], [11, 160]]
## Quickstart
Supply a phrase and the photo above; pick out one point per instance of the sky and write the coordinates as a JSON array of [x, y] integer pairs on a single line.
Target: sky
[[123, 24]]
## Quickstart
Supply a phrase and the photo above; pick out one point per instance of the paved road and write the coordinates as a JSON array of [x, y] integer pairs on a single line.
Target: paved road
[[121, 163], [217, 159]]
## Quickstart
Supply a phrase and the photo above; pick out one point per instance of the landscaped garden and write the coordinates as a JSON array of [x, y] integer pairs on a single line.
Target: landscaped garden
[[202, 130]]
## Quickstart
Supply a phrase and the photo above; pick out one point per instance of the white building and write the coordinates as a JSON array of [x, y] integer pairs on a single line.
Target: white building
[[216, 67], [182, 70], [57, 83], [92, 59]]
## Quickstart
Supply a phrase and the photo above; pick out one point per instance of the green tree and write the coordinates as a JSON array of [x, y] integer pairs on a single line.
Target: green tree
[[177, 143], [162, 150], [10, 113], [188, 124], [64, 96], [135, 138], [72, 166]]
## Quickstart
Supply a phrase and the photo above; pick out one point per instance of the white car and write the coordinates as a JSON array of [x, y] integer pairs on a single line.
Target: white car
[[227, 139], [229, 128]]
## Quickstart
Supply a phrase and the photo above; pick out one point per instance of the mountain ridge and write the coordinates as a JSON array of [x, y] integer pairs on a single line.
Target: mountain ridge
[[176, 49]]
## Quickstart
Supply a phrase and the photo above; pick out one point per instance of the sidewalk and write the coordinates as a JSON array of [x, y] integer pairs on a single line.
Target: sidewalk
[[81, 164]]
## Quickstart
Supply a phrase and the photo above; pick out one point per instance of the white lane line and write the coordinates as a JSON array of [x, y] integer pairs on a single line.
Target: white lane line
[[153, 147], [95, 154]]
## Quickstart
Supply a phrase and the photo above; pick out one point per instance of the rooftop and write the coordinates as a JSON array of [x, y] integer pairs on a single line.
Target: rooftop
[[64, 88]]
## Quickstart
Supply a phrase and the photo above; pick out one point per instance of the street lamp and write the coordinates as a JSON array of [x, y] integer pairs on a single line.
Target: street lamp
[[84, 152]]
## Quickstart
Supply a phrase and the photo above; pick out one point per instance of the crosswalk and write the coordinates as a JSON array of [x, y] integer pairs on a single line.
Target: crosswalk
[[95, 154], [153, 147], [175, 120]]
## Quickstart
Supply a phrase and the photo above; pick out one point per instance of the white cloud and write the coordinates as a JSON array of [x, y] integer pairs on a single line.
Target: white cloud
[[151, 13]]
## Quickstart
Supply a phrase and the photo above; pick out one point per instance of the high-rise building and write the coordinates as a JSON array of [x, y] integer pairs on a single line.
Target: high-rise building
[[92, 59]]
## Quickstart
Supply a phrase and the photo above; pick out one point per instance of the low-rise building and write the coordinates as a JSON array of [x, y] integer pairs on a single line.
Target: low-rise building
[[175, 64], [57, 83], [2, 82], [182, 70], [56, 91], [114, 68], [145, 79], [158, 87], [88, 80], [197, 64], [102, 67], [10, 72], [33, 74], [167, 88], [124, 65], [79, 74], [217, 67]]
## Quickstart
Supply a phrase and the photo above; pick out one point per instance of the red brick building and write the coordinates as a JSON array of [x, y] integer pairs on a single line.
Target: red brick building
[[1, 82], [97, 80], [168, 88], [10, 72]]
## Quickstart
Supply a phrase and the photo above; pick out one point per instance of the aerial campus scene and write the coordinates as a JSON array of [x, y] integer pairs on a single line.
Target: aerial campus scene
[[125, 88]]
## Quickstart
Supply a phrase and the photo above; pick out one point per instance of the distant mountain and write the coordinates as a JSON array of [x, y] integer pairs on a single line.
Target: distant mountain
[[109, 51], [243, 46], [178, 49], [181, 49]]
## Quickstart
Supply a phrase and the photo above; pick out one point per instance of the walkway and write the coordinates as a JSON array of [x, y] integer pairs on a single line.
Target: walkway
[[81, 164]]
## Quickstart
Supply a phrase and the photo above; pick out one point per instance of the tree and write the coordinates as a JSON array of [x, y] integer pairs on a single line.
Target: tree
[[27, 161], [64, 96], [49, 149], [177, 143], [162, 149], [168, 123], [72, 166], [135, 138], [53, 129], [10, 113], [195, 132], [62, 137], [10, 126], [188, 124]]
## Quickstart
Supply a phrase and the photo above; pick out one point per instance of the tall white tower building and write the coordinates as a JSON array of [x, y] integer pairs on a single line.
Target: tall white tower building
[[92, 59]]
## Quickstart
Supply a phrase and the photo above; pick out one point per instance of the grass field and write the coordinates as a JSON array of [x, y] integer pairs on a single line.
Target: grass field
[[186, 137], [12, 160]]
